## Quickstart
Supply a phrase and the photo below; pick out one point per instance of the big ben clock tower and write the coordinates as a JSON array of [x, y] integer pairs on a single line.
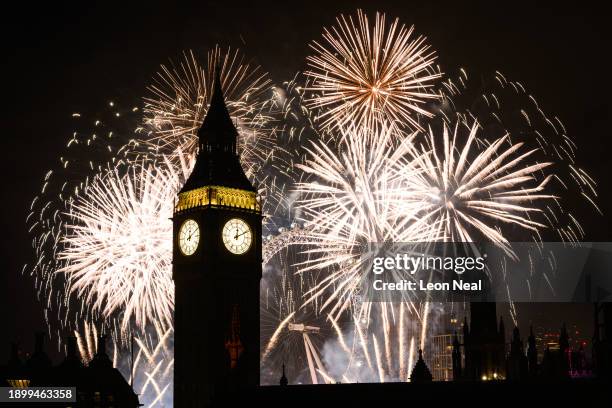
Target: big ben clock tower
[[216, 268]]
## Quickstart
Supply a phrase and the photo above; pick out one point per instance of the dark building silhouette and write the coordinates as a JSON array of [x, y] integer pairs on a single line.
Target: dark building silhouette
[[556, 363], [216, 268], [420, 373], [485, 357], [483, 344], [39, 364], [532, 354], [457, 370], [578, 364], [516, 363], [602, 340], [283, 380], [98, 384]]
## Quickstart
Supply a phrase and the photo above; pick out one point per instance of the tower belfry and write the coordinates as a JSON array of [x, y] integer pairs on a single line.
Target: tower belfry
[[216, 267]]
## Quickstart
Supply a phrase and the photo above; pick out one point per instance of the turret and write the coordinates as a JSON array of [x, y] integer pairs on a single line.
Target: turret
[[39, 363], [72, 354], [532, 353], [283, 380], [101, 359], [420, 373], [456, 358], [564, 352], [516, 364]]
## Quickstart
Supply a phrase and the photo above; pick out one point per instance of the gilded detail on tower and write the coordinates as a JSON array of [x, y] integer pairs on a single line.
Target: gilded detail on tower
[[217, 196]]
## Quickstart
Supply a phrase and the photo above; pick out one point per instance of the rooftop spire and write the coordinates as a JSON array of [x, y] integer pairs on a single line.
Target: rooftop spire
[[283, 380], [420, 372]]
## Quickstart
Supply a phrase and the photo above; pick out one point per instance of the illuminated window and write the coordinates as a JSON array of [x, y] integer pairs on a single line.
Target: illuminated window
[[217, 196], [19, 383]]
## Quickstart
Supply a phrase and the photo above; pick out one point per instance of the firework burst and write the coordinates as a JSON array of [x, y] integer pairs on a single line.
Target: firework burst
[[364, 75], [179, 99], [505, 108], [458, 189], [117, 246], [350, 203]]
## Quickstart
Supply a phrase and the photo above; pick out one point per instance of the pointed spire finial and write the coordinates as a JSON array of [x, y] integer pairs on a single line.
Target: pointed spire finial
[[217, 79], [283, 380]]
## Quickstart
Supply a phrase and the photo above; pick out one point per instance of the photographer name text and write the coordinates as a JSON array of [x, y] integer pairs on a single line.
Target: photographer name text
[[456, 285]]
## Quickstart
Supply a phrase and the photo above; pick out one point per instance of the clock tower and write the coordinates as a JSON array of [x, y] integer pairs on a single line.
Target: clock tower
[[216, 268]]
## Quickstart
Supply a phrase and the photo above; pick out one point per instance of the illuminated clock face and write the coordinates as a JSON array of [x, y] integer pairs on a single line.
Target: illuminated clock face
[[237, 236], [189, 237]]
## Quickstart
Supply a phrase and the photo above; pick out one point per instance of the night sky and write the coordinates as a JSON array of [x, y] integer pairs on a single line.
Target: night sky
[[63, 59]]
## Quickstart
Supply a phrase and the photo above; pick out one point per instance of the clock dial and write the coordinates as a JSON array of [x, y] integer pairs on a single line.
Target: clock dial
[[237, 236], [189, 237]]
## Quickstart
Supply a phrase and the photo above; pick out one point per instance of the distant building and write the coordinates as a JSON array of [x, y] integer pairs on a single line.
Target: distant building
[[439, 356], [441, 361], [98, 384]]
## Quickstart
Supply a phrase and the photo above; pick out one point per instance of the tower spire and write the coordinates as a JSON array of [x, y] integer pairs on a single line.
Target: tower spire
[[217, 133], [217, 163]]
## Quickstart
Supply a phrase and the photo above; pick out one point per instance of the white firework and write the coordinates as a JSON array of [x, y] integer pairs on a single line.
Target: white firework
[[117, 247], [370, 75]]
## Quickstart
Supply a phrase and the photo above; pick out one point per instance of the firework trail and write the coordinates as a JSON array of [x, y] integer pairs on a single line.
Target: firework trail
[[365, 74], [506, 108], [350, 201], [87, 342], [292, 334], [153, 368], [96, 144]]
